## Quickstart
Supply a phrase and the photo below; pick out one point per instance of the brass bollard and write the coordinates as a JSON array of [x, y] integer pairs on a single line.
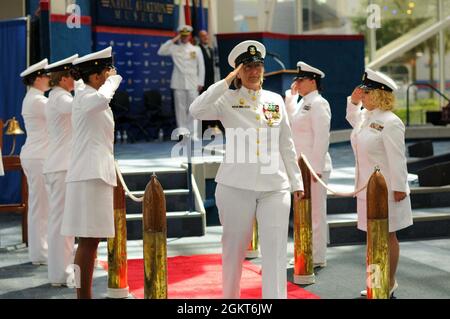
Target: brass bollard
[[117, 248], [377, 238], [154, 225], [303, 256], [253, 247]]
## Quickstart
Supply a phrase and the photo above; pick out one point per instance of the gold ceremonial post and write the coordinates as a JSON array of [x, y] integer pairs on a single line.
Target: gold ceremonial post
[[377, 237], [155, 241], [253, 248], [303, 265], [117, 248]]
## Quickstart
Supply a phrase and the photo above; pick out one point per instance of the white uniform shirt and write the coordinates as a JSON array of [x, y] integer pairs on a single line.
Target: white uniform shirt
[[378, 139], [275, 166], [189, 68], [33, 113], [93, 134], [310, 122], [58, 112]]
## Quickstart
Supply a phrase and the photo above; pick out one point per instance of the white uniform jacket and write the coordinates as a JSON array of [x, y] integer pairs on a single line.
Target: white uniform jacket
[[93, 134], [378, 139], [263, 118], [58, 113], [189, 68], [33, 113], [310, 122]]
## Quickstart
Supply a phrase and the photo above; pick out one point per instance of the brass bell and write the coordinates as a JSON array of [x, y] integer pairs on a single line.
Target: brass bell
[[13, 127]]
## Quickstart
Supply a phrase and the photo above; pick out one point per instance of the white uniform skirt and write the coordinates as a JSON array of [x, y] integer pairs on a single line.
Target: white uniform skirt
[[400, 215], [89, 210]]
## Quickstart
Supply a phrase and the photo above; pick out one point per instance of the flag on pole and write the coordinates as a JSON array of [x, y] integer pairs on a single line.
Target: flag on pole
[[201, 16], [181, 14], [194, 18], [187, 13]]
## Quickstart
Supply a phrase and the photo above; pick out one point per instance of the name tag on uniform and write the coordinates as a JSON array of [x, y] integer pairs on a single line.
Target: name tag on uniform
[[240, 106], [193, 55], [376, 126], [307, 107]]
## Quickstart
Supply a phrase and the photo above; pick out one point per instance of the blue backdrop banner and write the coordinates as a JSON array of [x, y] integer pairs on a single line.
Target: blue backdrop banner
[[152, 14], [13, 39]]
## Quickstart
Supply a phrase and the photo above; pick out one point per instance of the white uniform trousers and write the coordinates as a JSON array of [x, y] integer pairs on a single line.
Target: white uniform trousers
[[37, 210], [182, 100], [319, 219], [237, 208], [60, 248]]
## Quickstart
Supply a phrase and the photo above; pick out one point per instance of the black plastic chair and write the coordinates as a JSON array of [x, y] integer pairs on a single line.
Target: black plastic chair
[[124, 120], [158, 116]]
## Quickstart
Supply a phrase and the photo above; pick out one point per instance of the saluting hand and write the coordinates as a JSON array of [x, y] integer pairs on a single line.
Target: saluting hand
[[357, 96], [233, 74], [399, 196], [294, 90], [174, 40], [111, 72], [298, 195]]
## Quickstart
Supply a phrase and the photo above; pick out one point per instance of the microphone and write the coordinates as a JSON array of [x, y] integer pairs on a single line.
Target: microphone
[[277, 58]]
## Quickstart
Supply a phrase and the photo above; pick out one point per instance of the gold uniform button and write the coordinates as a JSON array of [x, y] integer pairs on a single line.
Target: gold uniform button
[[255, 109], [257, 153], [257, 142], [258, 117], [253, 98]]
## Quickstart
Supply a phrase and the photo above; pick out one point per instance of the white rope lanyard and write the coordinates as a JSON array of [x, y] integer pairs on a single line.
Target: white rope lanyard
[[125, 187], [313, 173]]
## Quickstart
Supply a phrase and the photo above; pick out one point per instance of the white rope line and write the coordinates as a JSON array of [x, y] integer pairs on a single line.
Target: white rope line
[[313, 173], [125, 187]]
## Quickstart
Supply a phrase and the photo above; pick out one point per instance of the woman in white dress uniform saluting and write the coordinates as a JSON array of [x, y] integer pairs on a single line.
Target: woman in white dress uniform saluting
[[59, 110], [91, 176], [259, 171], [32, 156], [310, 122], [378, 140]]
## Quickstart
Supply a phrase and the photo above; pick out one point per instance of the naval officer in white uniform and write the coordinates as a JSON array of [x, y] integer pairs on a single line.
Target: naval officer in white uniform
[[188, 76], [32, 156], [91, 177], [378, 140], [259, 171], [310, 122], [59, 113]]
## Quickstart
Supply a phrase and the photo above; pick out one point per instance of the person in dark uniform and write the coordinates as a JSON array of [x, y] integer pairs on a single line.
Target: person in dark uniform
[[208, 58]]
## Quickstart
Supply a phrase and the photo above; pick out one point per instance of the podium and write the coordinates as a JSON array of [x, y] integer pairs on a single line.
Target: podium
[[279, 81]]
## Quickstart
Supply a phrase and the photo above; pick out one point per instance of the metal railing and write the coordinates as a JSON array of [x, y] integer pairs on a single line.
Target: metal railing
[[429, 85]]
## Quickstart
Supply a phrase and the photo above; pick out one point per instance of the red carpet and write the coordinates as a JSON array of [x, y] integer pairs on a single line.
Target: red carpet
[[199, 277]]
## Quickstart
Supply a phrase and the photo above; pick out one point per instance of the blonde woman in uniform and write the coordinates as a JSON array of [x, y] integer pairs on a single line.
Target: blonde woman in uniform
[[378, 140], [32, 157], [310, 122], [59, 110], [256, 179], [91, 177]]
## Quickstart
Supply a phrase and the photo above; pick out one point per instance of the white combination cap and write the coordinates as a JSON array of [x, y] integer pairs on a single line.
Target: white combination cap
[[62, 65], [307, 71], [99, 58], [185, 29], [35, 69], [247, 52], [376, 80]]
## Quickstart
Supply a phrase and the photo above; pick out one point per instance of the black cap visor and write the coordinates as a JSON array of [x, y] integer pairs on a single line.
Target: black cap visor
[[306, 75], [372, 85]]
